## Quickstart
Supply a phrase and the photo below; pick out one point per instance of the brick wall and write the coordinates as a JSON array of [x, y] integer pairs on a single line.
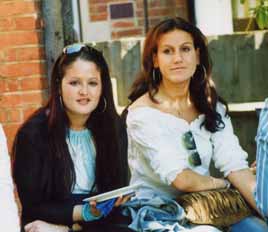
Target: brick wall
[[157, 11], [23, 83]]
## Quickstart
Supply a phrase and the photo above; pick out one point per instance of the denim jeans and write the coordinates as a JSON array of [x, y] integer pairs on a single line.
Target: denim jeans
[[250, 224]]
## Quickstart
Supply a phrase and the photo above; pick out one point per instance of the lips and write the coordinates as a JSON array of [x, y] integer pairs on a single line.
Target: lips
[[83, 101], [177, 68]]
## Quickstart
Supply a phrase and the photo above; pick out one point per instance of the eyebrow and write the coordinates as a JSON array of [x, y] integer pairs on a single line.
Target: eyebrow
[[79, 78], [185, 43]]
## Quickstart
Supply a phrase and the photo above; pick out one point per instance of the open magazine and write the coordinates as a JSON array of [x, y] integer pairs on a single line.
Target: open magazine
[[129, 190]]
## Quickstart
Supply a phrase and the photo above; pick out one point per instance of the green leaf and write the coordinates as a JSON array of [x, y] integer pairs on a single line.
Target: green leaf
[[262, 17], [242, 1]]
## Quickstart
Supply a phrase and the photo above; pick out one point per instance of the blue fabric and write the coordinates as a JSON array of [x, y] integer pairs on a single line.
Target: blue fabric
[[87, 215], [83, 153], [106, 207], [250, 224], [155, 214], [261, 191]]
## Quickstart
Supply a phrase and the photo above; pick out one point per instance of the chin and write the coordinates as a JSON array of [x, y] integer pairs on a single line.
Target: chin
[[84, 112]]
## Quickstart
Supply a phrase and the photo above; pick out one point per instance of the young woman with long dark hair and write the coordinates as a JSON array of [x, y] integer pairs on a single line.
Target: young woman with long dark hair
[[72, 148], [177, 122]]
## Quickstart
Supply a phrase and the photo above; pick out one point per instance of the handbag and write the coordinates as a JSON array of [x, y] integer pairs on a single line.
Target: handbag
[[219, 207]]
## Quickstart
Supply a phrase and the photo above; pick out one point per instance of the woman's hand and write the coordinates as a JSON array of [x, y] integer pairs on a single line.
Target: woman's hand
[[94, 211], [102, 209], [122, 200], [41, 226], [119, 201]]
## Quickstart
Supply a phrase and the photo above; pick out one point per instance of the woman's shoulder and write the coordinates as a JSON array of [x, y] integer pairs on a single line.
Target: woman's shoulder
[[35, 125], [142, 101], [221, 108]]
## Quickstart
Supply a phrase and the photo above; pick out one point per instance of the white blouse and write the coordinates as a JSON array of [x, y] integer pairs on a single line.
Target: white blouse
[[8, 209], [157, 154]]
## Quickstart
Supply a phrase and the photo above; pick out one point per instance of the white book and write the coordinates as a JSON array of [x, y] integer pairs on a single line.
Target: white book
[[129, 190]]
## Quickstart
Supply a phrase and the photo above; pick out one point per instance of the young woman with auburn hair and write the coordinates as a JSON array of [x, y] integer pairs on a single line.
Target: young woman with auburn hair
[[177, 123]]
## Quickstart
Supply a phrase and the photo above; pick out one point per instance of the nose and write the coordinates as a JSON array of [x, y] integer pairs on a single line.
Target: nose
[[178, 57], [84, 89]]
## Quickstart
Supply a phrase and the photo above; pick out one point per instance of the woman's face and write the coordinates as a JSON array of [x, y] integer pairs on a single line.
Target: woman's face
[[81, 89], [176, 56]]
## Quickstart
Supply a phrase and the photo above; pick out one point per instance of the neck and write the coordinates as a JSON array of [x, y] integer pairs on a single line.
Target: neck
[[174, 93], [77, 122]]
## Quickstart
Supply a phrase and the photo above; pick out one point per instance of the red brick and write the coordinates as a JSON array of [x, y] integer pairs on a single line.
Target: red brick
[[6, 24], [8, 55], [27, 23], [160, 11], [182, 12], [22, 69], [3, 116], [34, 83], [160, 3], [141, 22], [17, 100], [181, 3], [2, 86], [154, 21], [139, 4], [20, 38], [13, 100], [33, 98], [10, 8], [98, 17], [140, 13], [30, 53], [129, 33], [14, 115], [92, 2], [27, 112], [98, 8], [12, 85], [123, 24], [22, 54]]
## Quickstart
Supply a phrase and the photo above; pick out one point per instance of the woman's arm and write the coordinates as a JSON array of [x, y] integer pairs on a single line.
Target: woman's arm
[[261, 195], [8, 209], [231, 159], [245, 182], [30, 163], [190, 181]]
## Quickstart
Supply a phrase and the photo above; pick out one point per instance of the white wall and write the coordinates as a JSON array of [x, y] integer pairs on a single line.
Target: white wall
[[93, 31], [214, 17]]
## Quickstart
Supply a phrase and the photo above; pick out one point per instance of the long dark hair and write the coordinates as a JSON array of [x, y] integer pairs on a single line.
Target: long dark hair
[[103, 122], [202, 88]]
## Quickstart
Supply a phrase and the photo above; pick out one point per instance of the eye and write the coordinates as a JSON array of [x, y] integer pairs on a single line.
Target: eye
[[93, 83], [167, 51], [74, 83], [186, 49]]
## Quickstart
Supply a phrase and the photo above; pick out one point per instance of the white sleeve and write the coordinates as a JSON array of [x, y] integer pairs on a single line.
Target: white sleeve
[[228, 155], [8, 208], [160, 146]]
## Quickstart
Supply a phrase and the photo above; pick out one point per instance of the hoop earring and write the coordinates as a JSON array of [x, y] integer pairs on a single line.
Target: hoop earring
[[105, 105], [61, 103], [155, 77], [204, 71]]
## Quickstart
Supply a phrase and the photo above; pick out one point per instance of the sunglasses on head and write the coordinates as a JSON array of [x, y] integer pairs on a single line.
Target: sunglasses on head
[[73, 48], [189, 143], [77, 47]]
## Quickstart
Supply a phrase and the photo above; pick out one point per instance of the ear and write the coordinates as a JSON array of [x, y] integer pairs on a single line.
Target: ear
[[155, 61], [197, 51]]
